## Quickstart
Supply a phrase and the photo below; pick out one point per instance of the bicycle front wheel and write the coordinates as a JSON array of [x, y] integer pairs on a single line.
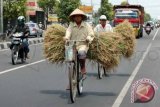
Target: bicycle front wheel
[[14, 55], [72, 82], [79, 80]]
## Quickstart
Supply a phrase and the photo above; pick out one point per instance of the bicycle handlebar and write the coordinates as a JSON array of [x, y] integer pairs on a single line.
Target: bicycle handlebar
[[73, 41]]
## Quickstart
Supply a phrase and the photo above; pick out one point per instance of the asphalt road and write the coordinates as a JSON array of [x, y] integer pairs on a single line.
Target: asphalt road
[[41, 84]]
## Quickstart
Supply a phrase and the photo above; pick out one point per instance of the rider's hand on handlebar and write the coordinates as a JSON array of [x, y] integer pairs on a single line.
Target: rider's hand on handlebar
[[66, 40], [88, 41]]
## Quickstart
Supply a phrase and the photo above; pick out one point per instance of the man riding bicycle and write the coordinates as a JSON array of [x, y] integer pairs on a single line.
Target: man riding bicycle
[[80, 30], [102, 27]]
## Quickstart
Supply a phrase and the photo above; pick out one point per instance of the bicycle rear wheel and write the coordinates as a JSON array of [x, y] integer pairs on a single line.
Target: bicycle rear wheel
[[100, 72], [72, 82]]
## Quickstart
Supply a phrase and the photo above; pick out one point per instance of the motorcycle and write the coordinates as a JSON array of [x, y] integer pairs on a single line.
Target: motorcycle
[[17, 50], [148, 29]]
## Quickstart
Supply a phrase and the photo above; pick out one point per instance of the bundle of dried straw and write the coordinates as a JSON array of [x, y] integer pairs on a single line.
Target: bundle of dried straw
[[106, 49]]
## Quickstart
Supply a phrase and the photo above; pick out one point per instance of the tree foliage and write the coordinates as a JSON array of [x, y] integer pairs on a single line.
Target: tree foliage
[[147, 17], [47, 5], [13, 9], [124, 3], [65, 7], [106, 9]]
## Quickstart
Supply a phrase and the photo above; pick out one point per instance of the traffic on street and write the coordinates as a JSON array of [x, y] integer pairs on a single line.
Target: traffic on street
[[37, 83], [89, 54]]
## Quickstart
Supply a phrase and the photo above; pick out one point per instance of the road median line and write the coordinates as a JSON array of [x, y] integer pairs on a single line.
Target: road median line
[[23, 66]]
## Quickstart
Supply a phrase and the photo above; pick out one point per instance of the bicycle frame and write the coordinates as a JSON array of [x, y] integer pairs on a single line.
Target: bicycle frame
[[73, 67]]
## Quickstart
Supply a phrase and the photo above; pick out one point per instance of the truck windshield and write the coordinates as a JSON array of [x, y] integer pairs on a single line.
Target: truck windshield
[[126, 15]]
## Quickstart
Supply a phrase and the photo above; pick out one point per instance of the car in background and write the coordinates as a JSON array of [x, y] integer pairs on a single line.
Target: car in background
[[34, 29]]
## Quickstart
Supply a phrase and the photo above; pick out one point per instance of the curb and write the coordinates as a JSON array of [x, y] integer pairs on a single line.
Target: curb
[[6, 45]]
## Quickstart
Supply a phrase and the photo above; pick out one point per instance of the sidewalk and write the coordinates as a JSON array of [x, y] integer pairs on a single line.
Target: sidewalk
[[6, 45]]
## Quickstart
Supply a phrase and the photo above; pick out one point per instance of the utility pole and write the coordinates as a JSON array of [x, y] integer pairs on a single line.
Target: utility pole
[[1, 16], [92, 7]]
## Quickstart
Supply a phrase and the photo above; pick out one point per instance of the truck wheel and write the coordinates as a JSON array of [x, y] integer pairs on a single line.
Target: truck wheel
[[137, 37], [140, 33]]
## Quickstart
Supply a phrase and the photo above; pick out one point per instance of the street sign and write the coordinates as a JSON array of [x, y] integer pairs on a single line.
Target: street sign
[[86, 9]]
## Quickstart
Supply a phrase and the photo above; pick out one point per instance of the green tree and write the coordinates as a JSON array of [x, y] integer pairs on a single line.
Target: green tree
[[124, 3], [147, 17], [13, 9], [106, 9], [47, 5], [65, 7]]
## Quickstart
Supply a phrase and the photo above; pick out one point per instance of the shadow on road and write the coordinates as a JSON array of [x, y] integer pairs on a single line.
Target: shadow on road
[[98, 94], [65, 94], [121, 75]]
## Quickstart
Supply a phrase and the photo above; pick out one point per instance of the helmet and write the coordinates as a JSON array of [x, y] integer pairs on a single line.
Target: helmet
[[21, 20], [103, 17]]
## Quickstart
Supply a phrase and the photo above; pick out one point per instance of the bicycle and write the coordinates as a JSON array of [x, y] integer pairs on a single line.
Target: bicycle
[[101, 70], [75, 76]]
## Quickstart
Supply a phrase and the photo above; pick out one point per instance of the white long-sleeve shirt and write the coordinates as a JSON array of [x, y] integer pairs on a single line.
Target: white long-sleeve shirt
[[83, 32], [107, 28]]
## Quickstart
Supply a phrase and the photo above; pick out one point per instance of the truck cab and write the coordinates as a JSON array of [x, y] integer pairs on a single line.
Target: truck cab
[[133, 13]]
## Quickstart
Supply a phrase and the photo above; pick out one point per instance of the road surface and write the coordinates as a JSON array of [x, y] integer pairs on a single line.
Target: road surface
[[37, 83]]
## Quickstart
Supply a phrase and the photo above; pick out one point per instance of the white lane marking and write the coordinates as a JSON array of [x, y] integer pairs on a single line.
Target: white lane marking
[[12, 69], [29, 45], [155, 35], [124, 91]]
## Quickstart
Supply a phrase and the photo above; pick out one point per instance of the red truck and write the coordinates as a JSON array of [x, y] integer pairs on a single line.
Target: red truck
[[133, 13]]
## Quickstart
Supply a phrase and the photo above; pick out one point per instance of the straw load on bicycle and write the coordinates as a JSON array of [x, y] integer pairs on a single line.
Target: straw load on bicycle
[[106, 49], [54, 43], [125, 30]]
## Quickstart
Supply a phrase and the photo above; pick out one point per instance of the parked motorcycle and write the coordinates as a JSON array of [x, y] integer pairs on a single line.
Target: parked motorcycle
[[17, 50]]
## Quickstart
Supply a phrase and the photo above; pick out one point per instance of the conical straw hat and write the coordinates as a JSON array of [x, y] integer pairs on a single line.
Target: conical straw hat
[[77, 12]]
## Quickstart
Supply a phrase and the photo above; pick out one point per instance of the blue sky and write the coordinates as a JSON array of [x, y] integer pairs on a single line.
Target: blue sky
[[151, 6]]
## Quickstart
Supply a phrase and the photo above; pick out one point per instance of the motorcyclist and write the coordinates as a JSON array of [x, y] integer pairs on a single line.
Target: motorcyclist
[[148, 25], [21, 27], [103, 26]]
